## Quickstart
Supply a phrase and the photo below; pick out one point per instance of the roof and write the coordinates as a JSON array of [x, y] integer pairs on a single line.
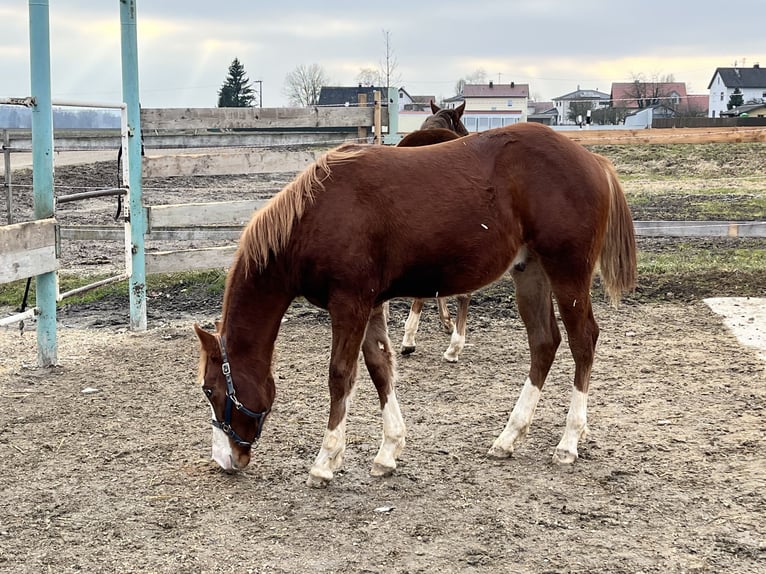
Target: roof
[[583, 95], [624, 93], [493, 90], [744, 109], [754, 77], [341, 95]]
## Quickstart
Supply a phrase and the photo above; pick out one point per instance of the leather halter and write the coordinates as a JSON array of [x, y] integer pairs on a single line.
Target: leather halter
[[233, 402]]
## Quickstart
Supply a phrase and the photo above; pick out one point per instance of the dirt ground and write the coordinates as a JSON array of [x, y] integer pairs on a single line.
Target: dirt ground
[[105, 460]]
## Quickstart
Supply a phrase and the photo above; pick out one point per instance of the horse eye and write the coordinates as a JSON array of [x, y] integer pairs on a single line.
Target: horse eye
[[208, 391]]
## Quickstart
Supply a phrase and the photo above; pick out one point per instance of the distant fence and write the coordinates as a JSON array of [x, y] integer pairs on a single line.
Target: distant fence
[[664, 123], [249, 140]]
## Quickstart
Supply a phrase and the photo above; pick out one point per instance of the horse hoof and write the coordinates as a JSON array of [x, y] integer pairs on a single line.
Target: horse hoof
[[450, 357], [317, 481], [379, 470], [561, 456], [498, 452], [408, 350]]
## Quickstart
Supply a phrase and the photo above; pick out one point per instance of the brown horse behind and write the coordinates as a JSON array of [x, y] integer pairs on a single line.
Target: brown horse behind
[[444, 124], [345, 235]]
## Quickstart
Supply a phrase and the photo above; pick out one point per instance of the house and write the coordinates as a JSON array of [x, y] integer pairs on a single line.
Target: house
[[578, 103], [492, 105], [638, 95], [542, 113], [749, 82], [348, 96], [746, 111], [414, 103]]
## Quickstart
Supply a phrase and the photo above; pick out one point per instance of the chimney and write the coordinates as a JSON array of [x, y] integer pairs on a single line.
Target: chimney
[[513, 84], [757, 66], [491, 84]]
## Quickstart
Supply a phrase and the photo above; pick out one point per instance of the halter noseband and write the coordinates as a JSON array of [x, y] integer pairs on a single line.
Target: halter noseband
[[233, 401]]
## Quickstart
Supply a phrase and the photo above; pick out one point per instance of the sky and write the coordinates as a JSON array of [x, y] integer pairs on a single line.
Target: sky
[[185, 47]]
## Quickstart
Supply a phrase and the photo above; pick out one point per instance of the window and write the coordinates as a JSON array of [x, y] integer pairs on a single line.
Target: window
[[510, 103], [496, 122], [721, 96], [483, 123]]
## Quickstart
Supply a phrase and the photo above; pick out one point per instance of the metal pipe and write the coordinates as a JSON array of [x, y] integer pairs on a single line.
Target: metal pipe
[[91, 286], [42, 165], [8, 174], [91, 194], [11, 319], [134, 251]]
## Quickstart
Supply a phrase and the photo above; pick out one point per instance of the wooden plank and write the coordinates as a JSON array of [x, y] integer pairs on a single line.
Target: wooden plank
[[23, 264], [227, 162], [700, 228], [199, 214], [27, 249], [667, 136], [189, 259], [254, 118]]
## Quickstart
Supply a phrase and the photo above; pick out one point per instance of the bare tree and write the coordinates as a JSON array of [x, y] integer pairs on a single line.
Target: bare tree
[[388, 68], [651, 92], [369, 77], [304, 83], [479, 76]]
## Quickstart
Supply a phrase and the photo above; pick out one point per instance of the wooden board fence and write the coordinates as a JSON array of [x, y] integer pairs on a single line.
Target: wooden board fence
[[27, 249]]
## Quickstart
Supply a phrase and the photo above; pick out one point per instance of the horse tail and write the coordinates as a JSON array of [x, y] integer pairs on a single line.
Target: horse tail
[[617, 261]]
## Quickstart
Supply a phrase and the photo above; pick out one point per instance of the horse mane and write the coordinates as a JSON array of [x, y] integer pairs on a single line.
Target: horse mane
[[270, 228]]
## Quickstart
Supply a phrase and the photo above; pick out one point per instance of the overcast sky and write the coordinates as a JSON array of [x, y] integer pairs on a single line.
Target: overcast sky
[[185, 47]]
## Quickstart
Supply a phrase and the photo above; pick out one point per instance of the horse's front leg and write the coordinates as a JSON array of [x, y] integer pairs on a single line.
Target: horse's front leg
[[379, 359], [347, 333]]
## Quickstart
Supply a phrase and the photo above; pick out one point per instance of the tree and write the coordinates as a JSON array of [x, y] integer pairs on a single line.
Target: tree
[[390, 64], [580, 108], [652, 92], [304, 83], [477, 77], [735, 99], [369, 77], [236, 91]]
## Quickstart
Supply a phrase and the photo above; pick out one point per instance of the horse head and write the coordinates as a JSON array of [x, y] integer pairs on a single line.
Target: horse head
[[237, 420], [446, 118]]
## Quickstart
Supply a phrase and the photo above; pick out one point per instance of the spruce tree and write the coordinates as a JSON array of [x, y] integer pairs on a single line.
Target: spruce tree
[[236, 91]]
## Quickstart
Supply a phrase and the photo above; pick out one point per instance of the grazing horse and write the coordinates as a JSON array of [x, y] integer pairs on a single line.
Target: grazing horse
[[365, 224], [444, 125]]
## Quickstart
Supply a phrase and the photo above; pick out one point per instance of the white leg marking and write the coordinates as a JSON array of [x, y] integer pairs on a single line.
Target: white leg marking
[[410, 329], [393, 438], [518, 422], [222, 452], [330, 456], [577, 428], [456, 344]]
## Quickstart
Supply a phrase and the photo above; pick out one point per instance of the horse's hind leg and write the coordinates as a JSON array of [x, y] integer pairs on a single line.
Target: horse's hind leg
[[577, 314], [533, 298], [457, 341], [444, 316], [379, 358], [411, 327]]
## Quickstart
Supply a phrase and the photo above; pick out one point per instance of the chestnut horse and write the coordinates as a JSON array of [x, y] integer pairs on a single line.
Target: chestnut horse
[[365, 224], [444, 125]]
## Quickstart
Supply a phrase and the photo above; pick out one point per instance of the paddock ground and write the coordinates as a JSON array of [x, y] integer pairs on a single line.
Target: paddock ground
[[671, 479]]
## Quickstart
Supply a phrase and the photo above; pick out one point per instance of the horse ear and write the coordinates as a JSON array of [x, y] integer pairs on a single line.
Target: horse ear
[[434, 107], [459, 110], [207, 340]]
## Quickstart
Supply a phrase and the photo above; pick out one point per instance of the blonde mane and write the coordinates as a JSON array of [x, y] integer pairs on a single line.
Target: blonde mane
[[270, 228]]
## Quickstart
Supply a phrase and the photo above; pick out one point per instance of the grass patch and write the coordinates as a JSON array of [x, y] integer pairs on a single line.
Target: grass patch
[[212, 282], [688, 259]]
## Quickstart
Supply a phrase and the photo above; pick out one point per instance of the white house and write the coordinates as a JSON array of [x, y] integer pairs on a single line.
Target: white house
[[592, 99], [492, 105], [751, 83]]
